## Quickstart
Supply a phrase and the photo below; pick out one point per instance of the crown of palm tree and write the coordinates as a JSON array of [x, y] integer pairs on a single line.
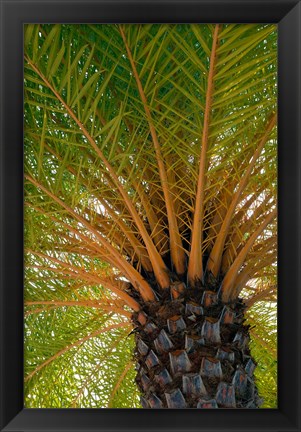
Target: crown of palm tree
[[150, 159]]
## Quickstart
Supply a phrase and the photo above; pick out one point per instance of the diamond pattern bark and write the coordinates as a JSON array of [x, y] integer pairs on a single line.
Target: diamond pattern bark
[[193, 352]]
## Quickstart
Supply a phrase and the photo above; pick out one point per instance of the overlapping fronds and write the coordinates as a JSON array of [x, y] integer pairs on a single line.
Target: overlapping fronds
[[150, 152]]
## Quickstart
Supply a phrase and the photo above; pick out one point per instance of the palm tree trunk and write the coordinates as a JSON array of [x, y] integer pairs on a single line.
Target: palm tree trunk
[[193, 352]]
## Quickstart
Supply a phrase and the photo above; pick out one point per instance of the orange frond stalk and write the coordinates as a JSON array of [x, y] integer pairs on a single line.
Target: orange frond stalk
[[138, 282], [152, 218], [236, 241], [215, 257], [195, 265], [149, 209], [157, 261], [137, 246], [100, 252], [177, 253], [133, 244], [252, 270], [223, 201], [247, 204], [90, 277], [230, 278]]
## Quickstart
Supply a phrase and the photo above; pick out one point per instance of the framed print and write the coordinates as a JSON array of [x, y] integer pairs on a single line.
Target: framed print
[[150, 215]]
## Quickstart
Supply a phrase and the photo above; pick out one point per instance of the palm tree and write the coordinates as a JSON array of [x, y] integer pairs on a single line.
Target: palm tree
[[150, 215]]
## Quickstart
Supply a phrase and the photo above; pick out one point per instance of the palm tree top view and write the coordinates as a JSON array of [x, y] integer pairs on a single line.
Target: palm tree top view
[[150, 215]]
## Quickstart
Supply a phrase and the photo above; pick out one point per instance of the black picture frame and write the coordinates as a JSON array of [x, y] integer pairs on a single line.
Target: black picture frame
[[14, 13]]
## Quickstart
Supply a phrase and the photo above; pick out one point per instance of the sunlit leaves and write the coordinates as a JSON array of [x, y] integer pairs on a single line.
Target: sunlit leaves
[[83, 362]]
